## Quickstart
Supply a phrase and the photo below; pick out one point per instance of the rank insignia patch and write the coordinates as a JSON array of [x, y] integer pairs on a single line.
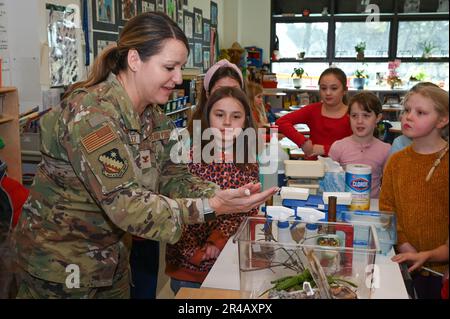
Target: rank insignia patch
[[113, 164]]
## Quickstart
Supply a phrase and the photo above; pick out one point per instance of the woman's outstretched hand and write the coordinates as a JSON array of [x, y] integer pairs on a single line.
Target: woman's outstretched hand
[[241, 199]]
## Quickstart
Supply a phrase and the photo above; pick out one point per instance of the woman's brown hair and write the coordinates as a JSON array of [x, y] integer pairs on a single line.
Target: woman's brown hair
[[203, 116], [145, 33]]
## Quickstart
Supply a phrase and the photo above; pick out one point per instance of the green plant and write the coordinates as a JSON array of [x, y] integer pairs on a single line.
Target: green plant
[[298, 72], [428, 47], [361, 74], [419, 76], [360, 47]]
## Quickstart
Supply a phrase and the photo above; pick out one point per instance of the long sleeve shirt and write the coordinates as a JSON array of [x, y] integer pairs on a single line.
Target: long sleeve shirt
[[184, 260], [323, 130], [375, 153], [106, 171], [421, 207]]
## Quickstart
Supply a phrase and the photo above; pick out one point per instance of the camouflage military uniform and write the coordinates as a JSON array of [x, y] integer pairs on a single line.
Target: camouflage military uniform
[[105, 172]]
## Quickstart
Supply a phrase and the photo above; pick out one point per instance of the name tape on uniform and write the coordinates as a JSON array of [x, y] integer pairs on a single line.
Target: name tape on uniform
[[162, 135]]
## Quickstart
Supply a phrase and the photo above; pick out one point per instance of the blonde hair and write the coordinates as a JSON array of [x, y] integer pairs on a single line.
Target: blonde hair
[[253, 89], [435, 94]]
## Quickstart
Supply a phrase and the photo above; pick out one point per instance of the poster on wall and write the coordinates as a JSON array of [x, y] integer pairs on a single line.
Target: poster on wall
[[5, 78], [190, 61], [127, 10], [160, 6], [188, 24], [214, 13], [180, 19], [171, 9], [198, 23], [198, 57], [64, 45], [104, 15], [101, 40], [146, 6], [206, 59], [206, 32]]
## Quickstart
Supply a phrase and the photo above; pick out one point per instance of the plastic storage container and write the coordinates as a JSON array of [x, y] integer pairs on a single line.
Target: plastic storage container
[[263, 260], [384, 222]]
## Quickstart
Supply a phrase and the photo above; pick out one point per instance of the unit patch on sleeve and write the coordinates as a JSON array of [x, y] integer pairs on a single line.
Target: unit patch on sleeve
[[113, 164], [93, 141]]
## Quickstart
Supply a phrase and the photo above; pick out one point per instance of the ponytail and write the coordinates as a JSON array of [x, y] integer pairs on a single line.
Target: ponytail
[[145, 33]]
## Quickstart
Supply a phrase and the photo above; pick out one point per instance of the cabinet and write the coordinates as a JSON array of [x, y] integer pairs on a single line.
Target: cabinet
[[9, 132]]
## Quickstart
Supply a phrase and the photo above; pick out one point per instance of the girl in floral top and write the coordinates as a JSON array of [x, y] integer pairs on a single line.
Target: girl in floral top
[[226, 114]]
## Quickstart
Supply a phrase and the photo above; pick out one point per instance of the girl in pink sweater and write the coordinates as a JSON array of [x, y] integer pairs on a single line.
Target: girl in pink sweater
[[363, 147]]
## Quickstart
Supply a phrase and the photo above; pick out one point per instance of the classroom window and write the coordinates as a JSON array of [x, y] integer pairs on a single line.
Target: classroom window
[[297, 37], [414, 37], [374, 34]]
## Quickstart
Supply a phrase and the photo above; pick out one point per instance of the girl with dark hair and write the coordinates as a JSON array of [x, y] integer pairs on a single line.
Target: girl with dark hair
[[228, 113], [221, 74], [362, 147], [327, 120], [107, 173]]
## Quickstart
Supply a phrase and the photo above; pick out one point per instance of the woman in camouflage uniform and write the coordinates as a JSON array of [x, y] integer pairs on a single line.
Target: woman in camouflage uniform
[[106, 171]]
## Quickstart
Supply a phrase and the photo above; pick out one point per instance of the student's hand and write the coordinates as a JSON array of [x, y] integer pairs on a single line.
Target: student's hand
[[211, 252], [241, 199], [416, 259], [311, 149], [406, 248]]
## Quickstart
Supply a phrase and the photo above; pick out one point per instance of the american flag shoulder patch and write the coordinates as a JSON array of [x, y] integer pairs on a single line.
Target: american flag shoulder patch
[[99, 138]]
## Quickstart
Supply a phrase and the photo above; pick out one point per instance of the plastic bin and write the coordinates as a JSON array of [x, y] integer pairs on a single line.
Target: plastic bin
[[263, 259], [385, 224]]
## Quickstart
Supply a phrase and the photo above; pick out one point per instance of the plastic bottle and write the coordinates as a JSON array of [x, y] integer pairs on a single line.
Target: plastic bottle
[[269, 162], [284, 233], [311, 232]]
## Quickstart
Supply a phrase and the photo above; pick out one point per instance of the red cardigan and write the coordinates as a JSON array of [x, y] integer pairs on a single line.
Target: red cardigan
[[323, 130]]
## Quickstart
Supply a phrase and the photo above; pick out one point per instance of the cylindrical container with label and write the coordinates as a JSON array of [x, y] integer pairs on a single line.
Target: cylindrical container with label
[[358, 180]]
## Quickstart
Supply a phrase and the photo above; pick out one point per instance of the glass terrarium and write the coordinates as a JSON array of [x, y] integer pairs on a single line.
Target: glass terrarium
[[296, 260], [385, 224]]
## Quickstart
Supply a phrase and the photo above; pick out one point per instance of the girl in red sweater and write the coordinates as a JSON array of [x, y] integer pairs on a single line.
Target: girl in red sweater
[[227, 109], [327, 120]]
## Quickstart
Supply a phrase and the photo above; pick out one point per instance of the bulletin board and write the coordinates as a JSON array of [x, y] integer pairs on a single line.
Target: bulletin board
[[63, 31]]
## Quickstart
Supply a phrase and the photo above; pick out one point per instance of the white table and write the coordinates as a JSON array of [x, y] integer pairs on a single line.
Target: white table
[[225, 272]]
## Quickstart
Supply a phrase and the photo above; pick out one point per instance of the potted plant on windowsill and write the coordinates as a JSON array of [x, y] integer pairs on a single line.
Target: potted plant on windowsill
[[360, 79], [427, 49], [360, 48], [417, 77], [298, 72]]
